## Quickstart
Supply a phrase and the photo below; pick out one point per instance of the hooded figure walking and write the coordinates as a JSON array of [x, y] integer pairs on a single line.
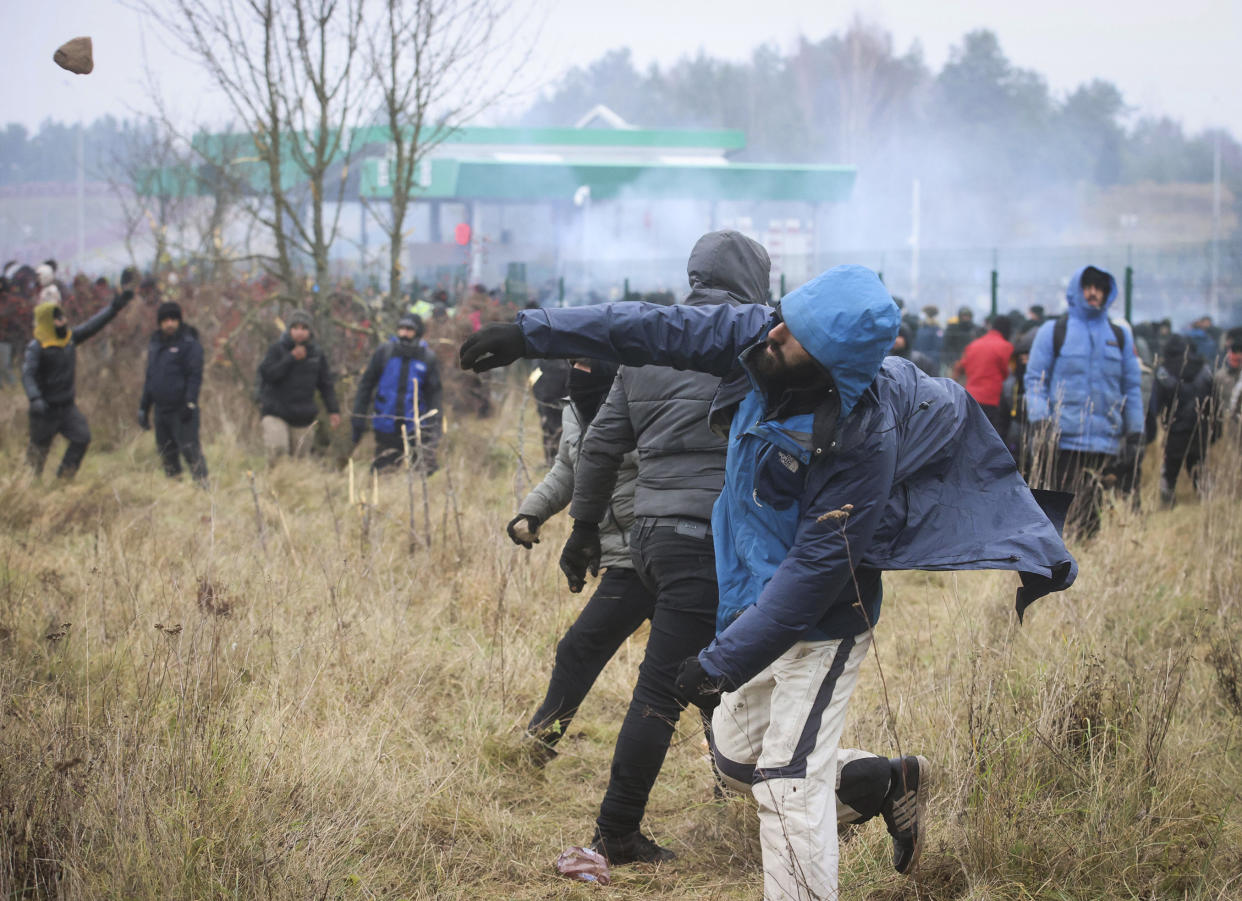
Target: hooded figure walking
[[49, 374], [174, 377], [293, 369], [841, 464]]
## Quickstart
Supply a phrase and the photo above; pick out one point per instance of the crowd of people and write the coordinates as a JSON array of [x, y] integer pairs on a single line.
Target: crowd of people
[[401, 394], [1079, 397], [743, 473]]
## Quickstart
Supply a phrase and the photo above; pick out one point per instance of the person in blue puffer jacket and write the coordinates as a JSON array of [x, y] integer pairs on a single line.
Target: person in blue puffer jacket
[[401, 370], [841, 463], [1084, 398]]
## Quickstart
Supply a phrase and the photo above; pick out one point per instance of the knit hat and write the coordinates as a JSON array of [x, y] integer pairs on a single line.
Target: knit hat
[[302, 318], [411, 321], [168, 310]]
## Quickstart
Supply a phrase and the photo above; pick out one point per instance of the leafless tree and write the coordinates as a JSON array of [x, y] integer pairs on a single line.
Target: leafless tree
[[436, 65], [289, 69], [148, 177]]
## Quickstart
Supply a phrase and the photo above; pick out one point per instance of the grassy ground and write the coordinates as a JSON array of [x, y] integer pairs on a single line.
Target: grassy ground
[[265, 692]]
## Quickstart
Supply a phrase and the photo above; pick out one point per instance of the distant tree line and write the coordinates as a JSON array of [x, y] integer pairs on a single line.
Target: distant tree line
[[985, 136]]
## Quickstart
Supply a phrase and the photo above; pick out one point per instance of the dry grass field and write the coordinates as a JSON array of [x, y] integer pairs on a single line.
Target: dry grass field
[[262, 691]]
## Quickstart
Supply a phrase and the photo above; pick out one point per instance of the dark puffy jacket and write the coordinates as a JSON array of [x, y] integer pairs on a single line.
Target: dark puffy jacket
[[390, 377], [49, 369], [1182, 393], [174, 370], [287, 386], [663, 413]]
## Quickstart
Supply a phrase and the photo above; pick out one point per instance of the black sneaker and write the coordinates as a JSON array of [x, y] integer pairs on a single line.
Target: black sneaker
[[633, 847], [903, 810]]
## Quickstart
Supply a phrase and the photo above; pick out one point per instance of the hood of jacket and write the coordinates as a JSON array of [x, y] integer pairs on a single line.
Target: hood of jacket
[[847, 321], [45, 326], [1078, 305], [728, 267]]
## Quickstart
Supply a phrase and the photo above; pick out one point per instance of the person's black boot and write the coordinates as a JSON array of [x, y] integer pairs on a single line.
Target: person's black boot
[[633, 847], [903, 809]]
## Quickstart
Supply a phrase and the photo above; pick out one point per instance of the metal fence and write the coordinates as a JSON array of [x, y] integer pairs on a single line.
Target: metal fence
[[1176, 281]]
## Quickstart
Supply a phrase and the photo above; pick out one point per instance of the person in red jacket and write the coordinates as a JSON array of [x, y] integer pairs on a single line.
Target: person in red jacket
[[985, 363]]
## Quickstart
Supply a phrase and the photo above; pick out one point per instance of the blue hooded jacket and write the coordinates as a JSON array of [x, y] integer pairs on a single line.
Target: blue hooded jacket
[[892, 469], [1094, 386]]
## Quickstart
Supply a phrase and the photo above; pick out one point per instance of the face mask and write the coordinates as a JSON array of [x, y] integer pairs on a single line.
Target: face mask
[[588, 390], [61, 331]]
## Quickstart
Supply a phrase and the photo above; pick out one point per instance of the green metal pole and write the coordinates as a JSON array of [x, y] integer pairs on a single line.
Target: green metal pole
[[1129, 293], [560, 290], [995, 285], [782, 284], [626, 295]]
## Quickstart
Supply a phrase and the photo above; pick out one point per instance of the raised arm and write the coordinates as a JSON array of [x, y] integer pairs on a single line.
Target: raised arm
[[91, 327], [706, 339]]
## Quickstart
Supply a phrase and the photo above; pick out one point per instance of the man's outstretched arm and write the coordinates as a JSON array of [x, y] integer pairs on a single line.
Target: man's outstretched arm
[[705, 339]]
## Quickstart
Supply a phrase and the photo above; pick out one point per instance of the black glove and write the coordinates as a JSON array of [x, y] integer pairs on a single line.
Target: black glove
[[697, 687], [38, 407], [187, 412], [122, 298], [528, 535], [144, 419], [496, 344], [1131, 448], [581, 552], [357, 429]]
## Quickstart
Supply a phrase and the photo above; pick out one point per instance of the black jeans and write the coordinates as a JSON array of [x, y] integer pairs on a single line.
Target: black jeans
[[176, 438], [680, 570], [1181, 449], [1082, 473], [618, 607], [65, 420]]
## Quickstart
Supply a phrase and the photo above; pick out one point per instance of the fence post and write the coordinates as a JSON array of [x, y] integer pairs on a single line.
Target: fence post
[[560, 291], [1129, 293], [626, 295], [995, 283], [782, 285]]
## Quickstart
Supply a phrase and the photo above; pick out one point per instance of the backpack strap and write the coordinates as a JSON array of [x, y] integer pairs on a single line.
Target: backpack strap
[[1058, 337]]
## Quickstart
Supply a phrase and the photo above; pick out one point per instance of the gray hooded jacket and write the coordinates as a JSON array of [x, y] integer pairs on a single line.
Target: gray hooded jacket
[[663, 413], [551, 495]]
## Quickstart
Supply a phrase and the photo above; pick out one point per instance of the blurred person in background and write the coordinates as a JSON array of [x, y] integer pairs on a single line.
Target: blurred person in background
[[929, 339], [957, 334], [49, 373], [1013, 404], [292, 370], [173, 379], [902, 348], [985, 365], [1182, 402], [1084, 397], [401, 383]]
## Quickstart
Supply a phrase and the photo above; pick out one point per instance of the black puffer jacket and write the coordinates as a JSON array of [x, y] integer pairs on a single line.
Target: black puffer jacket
[[287, 386], [663, 412], [174, 370], [50, 370], [1181, 395]]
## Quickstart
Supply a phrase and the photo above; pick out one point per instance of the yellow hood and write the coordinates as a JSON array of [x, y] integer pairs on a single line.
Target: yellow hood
[[45, 328]]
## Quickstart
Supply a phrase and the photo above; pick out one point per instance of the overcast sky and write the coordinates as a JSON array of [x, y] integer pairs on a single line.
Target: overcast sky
[[1182, 59]]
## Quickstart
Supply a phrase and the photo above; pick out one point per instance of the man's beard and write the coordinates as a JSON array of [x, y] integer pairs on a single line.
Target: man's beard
[[778, 376]]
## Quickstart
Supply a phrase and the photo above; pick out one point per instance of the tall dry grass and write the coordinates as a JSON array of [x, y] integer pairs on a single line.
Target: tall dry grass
[[262, 691]]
